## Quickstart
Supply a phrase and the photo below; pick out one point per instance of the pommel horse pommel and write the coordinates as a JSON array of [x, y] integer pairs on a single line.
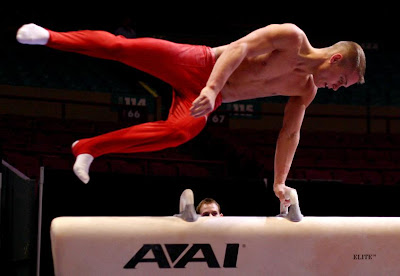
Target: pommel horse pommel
[[186, 206], [293, 212]]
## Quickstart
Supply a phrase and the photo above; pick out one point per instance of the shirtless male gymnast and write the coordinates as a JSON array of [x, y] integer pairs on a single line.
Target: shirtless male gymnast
[[274, 60]]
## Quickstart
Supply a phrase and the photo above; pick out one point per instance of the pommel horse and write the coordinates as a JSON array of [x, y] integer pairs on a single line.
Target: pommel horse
[[187, 244]]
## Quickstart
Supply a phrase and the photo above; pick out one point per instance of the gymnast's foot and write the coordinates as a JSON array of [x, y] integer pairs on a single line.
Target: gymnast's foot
[[32, 34], [82, 164], [81, 167]]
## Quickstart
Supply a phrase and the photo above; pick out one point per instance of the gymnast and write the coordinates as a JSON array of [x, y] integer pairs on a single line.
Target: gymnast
[[274, 60]]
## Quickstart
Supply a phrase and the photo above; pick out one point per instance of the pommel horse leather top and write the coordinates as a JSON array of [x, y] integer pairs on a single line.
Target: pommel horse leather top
[[225, 246]]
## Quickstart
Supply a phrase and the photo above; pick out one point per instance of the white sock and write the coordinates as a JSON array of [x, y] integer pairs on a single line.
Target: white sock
[[81, 166], [32, 34], [74, 143]]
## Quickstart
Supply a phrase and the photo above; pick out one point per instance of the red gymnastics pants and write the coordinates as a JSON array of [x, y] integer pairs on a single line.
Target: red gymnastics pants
[[185, 67]]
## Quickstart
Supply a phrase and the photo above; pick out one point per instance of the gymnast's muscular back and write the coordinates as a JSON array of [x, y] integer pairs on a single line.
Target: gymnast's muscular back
[[279, 72]]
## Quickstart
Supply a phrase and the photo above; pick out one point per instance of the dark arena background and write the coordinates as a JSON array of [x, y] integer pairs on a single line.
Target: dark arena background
[[346, 163]]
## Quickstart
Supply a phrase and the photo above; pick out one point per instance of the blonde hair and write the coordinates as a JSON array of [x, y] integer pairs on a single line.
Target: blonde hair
[[354, 57]]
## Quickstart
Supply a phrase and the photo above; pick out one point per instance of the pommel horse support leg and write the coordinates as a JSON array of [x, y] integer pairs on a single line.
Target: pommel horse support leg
[[96, 246]]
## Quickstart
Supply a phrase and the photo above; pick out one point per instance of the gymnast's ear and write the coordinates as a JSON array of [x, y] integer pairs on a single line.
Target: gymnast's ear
[[335, 58]]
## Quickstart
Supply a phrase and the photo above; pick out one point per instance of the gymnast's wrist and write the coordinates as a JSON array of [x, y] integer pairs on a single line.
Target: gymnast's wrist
[[210, 93], [279, 183], [211, 89]]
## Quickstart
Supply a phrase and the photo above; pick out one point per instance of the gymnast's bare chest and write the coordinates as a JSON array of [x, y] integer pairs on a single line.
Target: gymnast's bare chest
[[257, 79]]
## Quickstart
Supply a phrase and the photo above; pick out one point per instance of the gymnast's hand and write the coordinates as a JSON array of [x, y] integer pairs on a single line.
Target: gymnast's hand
[[204, 103], [280, 190]]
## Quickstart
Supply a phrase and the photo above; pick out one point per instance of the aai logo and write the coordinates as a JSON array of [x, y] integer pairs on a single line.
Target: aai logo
[[179, 260]]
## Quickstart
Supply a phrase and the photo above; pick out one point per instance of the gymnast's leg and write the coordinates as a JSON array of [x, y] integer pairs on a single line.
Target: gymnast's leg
[[151, 136], [185, 67], [156, 57]]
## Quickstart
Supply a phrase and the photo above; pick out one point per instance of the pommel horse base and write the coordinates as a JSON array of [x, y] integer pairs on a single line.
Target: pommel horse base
[[225, 246]]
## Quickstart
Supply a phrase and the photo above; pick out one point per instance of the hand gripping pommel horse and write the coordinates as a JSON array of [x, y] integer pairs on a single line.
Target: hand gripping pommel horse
[[293, 212], [187, 210]]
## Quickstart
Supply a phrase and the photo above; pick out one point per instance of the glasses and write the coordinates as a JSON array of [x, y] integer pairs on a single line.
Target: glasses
[[213, 213]]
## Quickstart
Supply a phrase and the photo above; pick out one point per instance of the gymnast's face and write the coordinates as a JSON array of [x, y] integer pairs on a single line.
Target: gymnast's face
[[210, 210], [333, 76]]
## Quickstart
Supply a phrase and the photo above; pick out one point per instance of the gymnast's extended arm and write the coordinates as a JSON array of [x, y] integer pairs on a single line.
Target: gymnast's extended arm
[[287, 143]]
